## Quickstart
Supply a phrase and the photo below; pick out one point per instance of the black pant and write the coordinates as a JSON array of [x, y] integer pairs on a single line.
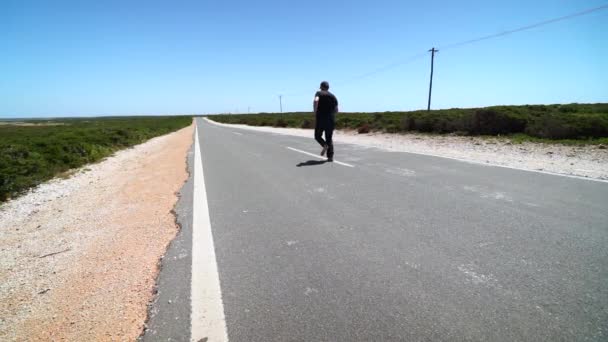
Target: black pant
[[328, 128]]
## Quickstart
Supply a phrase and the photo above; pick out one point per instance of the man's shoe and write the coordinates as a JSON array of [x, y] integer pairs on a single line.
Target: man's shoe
[[324, 150], [330, 159]]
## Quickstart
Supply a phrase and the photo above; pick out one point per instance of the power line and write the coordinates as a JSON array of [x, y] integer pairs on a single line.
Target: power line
[[370, 73], [525, 28], [384, 68], [465, 42], [471, 41]]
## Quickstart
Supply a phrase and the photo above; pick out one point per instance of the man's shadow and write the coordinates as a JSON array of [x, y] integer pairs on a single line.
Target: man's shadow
[[312, 163]]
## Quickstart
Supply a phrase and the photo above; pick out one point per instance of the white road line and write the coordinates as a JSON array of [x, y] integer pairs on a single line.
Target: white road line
[[237, 133], [207, 316], [433, 155], [507, 167], [318, 156]]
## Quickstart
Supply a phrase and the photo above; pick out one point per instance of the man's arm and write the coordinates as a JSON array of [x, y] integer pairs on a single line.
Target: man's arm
[[337, 109], [315, 103]]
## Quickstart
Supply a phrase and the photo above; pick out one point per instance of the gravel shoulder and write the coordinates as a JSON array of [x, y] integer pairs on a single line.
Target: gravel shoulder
[[79, 256], [588, 161]]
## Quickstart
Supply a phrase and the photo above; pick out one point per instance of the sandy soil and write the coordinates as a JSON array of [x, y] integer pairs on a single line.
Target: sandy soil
[[109, 224], [589, 161]]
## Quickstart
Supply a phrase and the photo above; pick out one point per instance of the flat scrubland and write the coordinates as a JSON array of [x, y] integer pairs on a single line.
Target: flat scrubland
[[568, 124], [34, 151]]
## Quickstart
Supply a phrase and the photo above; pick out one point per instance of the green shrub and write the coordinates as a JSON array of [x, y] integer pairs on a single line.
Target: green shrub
[[364, 129], [491, 121], [407, 123], [280, 123], [572, 121], [576, 126], [307, 124], [30, 155]]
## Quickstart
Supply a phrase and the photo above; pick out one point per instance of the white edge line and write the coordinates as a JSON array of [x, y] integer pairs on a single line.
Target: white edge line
[[452, 158], [207, 315], [237, 133], [318, 157], [504, 166]]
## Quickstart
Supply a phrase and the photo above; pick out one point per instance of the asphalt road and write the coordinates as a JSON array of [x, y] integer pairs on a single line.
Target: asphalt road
[[398, 247]]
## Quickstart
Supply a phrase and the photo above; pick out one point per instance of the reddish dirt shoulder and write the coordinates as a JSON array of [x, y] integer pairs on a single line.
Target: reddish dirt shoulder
[[110, 228]]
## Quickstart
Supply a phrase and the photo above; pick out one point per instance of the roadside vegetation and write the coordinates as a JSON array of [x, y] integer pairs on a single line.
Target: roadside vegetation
[[571, 123], [34, 151]]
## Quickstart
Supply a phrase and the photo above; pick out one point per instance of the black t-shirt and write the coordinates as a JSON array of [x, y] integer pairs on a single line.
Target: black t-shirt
[[328, 104]]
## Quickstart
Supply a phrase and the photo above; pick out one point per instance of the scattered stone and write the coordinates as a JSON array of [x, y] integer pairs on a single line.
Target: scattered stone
[[601, 147], [54, 253]]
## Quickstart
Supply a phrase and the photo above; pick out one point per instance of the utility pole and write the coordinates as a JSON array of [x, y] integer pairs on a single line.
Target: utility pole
[[281, 102], [432, 51]]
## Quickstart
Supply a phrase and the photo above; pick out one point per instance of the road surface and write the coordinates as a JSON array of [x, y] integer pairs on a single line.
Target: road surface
[[383, 246]]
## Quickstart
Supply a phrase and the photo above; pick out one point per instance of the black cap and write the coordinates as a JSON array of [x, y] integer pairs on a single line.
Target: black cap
[[324, 85]]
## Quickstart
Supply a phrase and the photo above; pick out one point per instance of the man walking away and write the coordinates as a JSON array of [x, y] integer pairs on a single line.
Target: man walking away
[[325, 107]]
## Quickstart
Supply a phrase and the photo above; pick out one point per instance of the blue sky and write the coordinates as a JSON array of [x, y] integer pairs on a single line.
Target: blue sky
[[81, 58]]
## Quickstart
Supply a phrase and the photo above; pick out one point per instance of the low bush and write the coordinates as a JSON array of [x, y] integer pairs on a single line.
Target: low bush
[[363, 129], [307, 124], [30, 155], [571, 121]]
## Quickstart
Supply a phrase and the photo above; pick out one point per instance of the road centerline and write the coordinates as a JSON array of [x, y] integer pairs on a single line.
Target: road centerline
[[318, 157]]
